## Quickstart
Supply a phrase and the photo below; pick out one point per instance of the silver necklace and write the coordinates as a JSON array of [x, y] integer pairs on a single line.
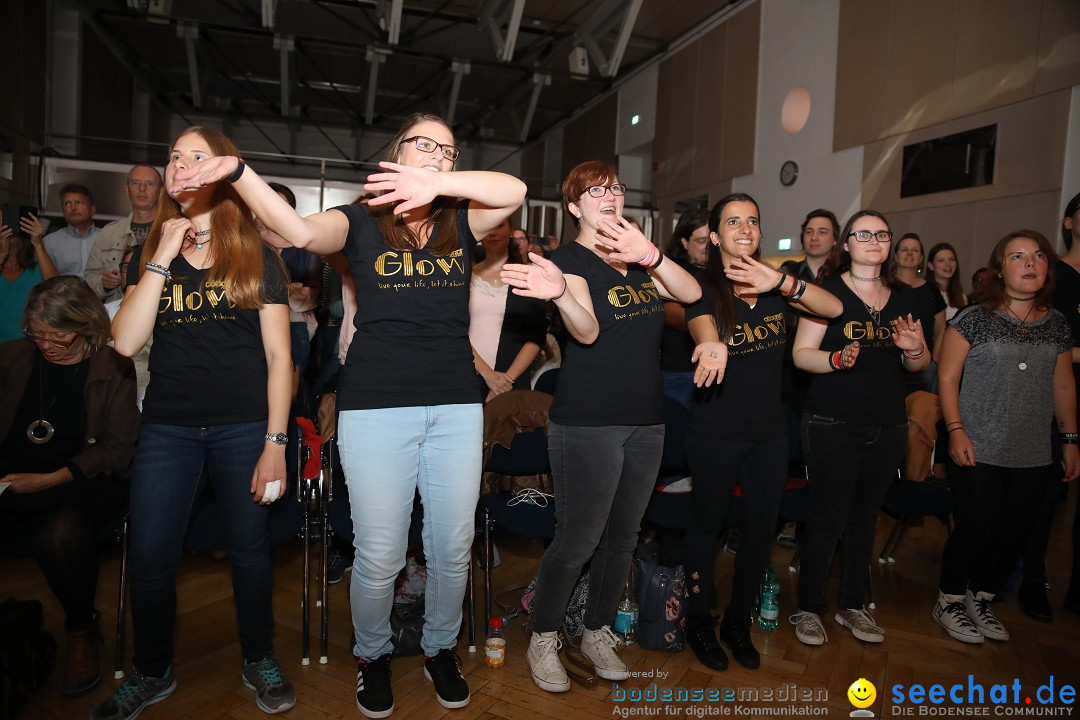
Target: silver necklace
[[46, 428], [874, 312], [199, 234]]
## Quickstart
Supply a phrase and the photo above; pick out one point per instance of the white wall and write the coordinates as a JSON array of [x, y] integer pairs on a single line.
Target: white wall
[[637, 97], [798, 47], [1070, 180]]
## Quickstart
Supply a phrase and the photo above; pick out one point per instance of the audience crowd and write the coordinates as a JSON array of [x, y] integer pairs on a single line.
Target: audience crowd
[[168, 350]]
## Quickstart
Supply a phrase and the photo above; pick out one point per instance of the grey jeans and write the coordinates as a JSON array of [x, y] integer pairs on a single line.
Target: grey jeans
[[604, 477]]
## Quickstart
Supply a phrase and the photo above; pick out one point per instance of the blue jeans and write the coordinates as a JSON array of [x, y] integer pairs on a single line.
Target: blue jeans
[[604, 477], [388, 454], [169, 464]]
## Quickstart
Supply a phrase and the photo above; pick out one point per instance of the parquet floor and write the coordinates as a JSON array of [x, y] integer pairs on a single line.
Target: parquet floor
[[915, 650]]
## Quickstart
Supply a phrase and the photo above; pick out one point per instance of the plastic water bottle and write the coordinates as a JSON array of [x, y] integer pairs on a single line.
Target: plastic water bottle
[[769, 612], [495, 646], [626, 615]]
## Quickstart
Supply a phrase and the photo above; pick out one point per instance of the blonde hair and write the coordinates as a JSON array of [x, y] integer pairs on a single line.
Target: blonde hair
[[237, 260]]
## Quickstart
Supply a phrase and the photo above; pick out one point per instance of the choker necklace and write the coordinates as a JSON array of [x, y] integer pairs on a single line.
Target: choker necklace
[[41, 424], [874, 312], [1011, 297], [869, 279], [199, 234]]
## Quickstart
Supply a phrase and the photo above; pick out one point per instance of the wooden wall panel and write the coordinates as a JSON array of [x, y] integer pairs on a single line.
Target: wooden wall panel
[[860, 78], [740, 92], [714, 108], [667, 114], [1058, 64], [920, 58], [995, 64], [590, 136], [683, 127]]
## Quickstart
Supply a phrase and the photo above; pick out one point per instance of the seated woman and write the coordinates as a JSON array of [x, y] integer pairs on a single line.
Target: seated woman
[[68, 424], [506, 330]]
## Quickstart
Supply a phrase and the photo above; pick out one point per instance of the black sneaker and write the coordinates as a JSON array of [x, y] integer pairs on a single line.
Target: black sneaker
[[443, 670], [736, 636], [136, 693], [373, 694], [273, 691], [701, 637], [336, 566]]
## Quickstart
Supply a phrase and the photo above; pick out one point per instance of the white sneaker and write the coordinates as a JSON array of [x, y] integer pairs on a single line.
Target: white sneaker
[[599, 647], [978, 611], [860, 624], [808, 628], [949, 613], [543, 658]]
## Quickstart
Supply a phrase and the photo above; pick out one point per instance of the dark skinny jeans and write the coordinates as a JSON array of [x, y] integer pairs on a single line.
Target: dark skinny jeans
[[995, 510], [851, 467], [603, 477], [760, 466]]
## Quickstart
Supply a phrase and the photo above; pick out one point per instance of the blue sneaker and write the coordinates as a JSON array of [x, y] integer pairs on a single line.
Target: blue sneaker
[[136, 693], [336, 566], [273, 691]]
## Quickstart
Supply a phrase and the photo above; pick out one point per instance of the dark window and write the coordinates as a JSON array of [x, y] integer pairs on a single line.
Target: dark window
[[952, 162]]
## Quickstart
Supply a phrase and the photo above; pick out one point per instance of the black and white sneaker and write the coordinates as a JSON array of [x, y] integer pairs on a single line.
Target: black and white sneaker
[[978, 611], [373, 694], [949, 613], [443, 670]]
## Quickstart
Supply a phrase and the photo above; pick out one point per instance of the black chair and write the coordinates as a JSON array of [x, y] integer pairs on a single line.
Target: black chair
[[908, 500], [547, 381]]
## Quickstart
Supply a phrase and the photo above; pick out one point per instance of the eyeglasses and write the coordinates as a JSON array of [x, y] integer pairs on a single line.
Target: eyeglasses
[[426, 144], [599, 191], [53, 340], [882, 236]]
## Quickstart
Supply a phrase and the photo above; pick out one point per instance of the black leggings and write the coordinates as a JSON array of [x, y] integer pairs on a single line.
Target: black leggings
[[995, 510], [60, 528], [716, 464]]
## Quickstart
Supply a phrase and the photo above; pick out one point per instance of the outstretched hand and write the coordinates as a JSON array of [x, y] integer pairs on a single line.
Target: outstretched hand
[[758, 276], [907, 334], [625, 241], [711, 358], [207, 172], [848, 355], [543, 279], [409, 187]]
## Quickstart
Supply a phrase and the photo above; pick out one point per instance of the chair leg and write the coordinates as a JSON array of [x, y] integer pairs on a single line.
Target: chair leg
[[305, 592], [900, 538], [487, 568], [471, 605], [870, 588], [889, 541], [324, 586], [794, 564], [118, 666]]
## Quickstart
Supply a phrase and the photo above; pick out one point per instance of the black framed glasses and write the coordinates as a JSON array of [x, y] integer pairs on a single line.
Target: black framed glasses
[[426, 144], [53, 339], [882, 236], [599, 191]]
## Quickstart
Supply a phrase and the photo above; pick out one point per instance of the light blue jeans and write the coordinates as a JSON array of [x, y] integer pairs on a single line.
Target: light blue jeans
[[388, 454]]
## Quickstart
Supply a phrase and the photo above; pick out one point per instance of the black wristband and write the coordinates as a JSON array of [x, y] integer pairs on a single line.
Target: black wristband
[[240, 166], [1068, 438], [657, 263], [783, 277]]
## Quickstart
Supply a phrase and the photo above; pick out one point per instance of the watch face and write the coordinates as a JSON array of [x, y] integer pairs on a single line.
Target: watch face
[[789, 172]]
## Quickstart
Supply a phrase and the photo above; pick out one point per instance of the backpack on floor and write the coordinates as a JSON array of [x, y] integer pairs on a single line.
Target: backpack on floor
[[574, 619], [407, 614], [661, 598], [26, 653]]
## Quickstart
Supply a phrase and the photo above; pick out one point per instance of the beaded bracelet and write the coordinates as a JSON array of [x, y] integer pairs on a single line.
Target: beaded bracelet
[[160, 270], [240, 166]]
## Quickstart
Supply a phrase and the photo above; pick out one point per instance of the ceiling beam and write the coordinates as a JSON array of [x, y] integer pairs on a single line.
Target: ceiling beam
[[623, 13], [494, 14], [390, 18], [190, 33], [540, 81], [375, 57], [269, 13], [285, 45], [460, 68]]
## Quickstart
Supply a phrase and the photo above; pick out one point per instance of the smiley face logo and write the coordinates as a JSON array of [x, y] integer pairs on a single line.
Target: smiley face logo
[[862, 693]]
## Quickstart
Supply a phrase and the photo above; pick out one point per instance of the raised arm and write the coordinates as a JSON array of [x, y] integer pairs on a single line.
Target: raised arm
[[322, 233], [545, 281]]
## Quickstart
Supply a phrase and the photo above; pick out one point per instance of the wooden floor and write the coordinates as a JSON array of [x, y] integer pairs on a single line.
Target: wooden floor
[[916, 651]]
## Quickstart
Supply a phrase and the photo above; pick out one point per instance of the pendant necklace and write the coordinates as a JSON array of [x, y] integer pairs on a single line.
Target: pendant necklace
[[1022, 328], [201, 234], [874, 312], [41, 424]]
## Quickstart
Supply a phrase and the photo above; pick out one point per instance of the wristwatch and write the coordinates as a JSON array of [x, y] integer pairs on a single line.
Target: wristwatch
[[278, 438]]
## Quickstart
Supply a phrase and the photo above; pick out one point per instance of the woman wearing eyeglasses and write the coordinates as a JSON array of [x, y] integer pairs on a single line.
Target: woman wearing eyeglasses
[[409, 402], [606, 433], [854, 427], [68, 425]]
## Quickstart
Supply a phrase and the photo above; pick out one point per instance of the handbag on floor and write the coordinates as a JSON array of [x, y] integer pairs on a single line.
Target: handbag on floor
[[661, 598], [26, 653]]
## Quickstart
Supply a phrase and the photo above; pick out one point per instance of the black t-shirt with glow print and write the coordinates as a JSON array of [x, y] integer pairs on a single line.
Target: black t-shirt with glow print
[[411, 346], [746, 404], [207, 363], [616, 380], [871, 393]]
